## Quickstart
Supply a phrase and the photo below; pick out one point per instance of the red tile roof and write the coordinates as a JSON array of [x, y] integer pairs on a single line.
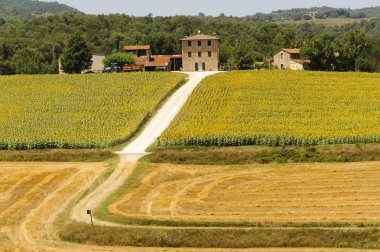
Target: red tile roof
[[171, 56], [137, 47], [156, 64], [301, 61], [200, 37], [291, 50], [132, 68], [141, 59], [162, 59]]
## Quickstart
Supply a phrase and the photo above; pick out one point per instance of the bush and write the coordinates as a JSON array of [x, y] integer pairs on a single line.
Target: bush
[[119, 59]]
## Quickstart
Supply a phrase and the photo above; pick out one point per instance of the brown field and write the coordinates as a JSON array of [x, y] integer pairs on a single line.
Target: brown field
[[329, 22], [33, 194], [302, 193], [31, 197]]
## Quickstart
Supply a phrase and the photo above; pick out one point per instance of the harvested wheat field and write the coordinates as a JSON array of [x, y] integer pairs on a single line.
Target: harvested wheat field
[[31, 197], [299, 193], [33, 194]]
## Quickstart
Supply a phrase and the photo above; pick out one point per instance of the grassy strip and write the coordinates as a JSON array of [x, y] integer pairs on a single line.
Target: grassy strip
[[81, 155], [256, 154], [134, 181], [64, 218], [221, 238]]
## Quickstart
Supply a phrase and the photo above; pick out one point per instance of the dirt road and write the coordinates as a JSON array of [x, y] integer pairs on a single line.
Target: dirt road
[[92, 200], [136, 149], [164, 116]]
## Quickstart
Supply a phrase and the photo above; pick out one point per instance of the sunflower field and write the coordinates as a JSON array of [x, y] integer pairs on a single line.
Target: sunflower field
[[278, 108], [78, 111]]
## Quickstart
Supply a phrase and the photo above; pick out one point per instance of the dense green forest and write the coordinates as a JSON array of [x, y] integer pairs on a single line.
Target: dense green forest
[[32, 44], [27, 7]]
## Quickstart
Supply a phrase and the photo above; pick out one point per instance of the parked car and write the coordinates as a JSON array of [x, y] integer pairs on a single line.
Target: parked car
[[114, 68]]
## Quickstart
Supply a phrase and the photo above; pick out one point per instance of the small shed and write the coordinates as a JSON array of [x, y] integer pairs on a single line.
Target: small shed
[[289, 59]]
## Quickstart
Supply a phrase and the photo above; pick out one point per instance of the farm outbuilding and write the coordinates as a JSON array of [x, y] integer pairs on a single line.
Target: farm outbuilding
[[289, 59], [97, 62], [146, 61]]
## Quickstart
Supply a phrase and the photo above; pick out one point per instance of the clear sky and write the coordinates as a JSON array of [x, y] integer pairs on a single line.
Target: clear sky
[[209, 7]]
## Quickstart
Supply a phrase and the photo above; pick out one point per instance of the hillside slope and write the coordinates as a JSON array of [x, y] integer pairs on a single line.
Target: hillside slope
[[371, 12], [25, 7], [323, 13]]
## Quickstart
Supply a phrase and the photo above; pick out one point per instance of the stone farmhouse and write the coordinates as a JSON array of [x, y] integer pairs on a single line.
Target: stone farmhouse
[[200, 53], [289, 59], [312, 14]]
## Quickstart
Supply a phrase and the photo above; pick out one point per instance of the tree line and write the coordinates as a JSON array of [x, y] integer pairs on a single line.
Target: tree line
[[33, 45], [351, 51]]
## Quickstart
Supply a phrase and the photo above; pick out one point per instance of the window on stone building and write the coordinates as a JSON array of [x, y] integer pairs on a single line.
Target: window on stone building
[[199, 43], [199, 54], [209, 43], [209, 54], [189, 54], [188, 43]]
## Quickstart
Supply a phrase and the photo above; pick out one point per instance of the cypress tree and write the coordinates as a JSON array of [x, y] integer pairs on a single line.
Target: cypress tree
[[76, 56]]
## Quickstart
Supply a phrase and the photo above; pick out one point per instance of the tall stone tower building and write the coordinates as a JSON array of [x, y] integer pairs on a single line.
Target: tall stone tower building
[[200, 53]]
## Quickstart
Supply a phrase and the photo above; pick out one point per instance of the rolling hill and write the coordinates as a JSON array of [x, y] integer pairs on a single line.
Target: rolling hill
[[321, 13], [27, 7]]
